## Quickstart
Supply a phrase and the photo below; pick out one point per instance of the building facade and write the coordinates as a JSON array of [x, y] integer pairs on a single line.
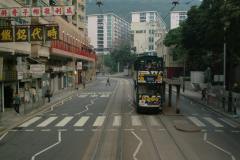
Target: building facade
[[107, 31], [147, 28], [177, 17], [30, 68]]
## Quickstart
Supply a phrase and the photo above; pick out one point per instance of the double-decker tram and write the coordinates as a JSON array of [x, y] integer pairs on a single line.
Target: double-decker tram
[[148, 82]]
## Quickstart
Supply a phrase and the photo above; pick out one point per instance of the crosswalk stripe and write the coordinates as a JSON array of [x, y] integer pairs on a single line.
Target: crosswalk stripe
[[104, 95], [81, 122], [47, 122], [117, 121], [94, 95], [197, 122], [82, 96], [213, 122], [230, 123], [153, 121], [65, 121], [136, 121], [29, 122], [99, 121]]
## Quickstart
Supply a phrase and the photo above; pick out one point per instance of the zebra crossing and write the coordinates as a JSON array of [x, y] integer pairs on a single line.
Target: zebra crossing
[[94, 121], [116, 121], [94, 95], [209, 121]]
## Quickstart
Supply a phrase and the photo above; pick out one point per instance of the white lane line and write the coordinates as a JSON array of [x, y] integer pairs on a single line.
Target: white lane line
[[82, 96], [136, 121], [81, 122], [47, 122], [94, 95], [138, 147], [153, 121], [230, 123], [219, 148], [129, 129], [65, 121], [117, 121], [105, 96], [48, 148], [1, 138], [99, 121], [29, 122], [213, 122], [86, 107], [197, 122]]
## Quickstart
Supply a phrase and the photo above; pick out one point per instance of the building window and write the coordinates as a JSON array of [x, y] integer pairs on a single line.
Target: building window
[[151, 39], [142, 17], [150, 47]]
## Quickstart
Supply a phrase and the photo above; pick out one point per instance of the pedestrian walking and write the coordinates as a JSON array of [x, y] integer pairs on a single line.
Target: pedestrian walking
[[204, 92], [83, 81], [48, 94], [16, 102], [108, 82]]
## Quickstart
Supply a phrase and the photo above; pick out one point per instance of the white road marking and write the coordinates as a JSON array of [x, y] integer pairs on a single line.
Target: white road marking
[[94, 95], [213, 122], [143, 129], [47, 122], [14, 130], [90, 114], [129, 129], [46, 130], [136, 121], [64, 114], [81, 122], [153, 121], [29, 122], [65, 121], [82, 96], [105, 96], [162, 129], [219, 148], [29, 130], [86, 107], [197, 122], [117, 121], [48, 148], [230, 123], [1, 138], [99, 121], [138, 147]]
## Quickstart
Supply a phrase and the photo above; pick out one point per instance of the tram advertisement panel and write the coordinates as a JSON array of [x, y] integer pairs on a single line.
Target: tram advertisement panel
[[146, 100], [149, 77]]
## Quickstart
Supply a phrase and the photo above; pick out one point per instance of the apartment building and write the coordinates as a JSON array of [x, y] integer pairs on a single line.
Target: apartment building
[[107, 31], [147, 29], [176, 18]]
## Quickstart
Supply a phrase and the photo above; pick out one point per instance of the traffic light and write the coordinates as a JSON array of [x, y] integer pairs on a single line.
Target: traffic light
[[52, 2]]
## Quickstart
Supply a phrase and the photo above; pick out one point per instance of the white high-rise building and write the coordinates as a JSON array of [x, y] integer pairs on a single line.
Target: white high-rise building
[[147, 28], [177, 17], [107, 31]]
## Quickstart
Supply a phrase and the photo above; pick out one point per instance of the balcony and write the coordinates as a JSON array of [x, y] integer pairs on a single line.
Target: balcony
[[73, 50], [9, 76]]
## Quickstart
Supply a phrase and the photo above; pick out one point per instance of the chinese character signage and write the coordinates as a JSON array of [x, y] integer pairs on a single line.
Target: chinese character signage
[[21, 33], [147, 100], [52, 32], [26, 33], [36, 33], [37, 11], [6, 34]]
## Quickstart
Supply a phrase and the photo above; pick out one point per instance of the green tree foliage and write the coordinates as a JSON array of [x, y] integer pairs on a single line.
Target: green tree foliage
[[201, 36], [121, 55]]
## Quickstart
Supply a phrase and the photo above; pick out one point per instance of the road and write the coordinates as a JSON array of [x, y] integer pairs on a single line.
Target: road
[[100, 123]]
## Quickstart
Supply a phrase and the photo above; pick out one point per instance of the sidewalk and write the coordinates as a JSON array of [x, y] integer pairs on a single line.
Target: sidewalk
[[212, 104], [10, 119]]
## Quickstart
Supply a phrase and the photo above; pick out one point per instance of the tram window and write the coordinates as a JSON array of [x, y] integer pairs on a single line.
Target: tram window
[[149, 89]]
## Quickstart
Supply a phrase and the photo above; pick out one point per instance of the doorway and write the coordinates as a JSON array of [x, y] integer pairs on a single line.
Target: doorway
[[8, 96]]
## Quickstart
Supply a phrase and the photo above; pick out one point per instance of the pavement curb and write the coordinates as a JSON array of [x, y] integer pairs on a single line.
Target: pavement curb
[[33, 114]]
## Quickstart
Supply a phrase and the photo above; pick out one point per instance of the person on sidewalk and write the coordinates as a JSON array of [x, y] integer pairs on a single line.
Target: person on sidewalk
[[204, 93], [83, 81], [16, 103], [48, 95], [108, 82]]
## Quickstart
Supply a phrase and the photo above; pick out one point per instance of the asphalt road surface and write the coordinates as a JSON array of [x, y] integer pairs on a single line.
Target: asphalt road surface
[[100, 123]]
